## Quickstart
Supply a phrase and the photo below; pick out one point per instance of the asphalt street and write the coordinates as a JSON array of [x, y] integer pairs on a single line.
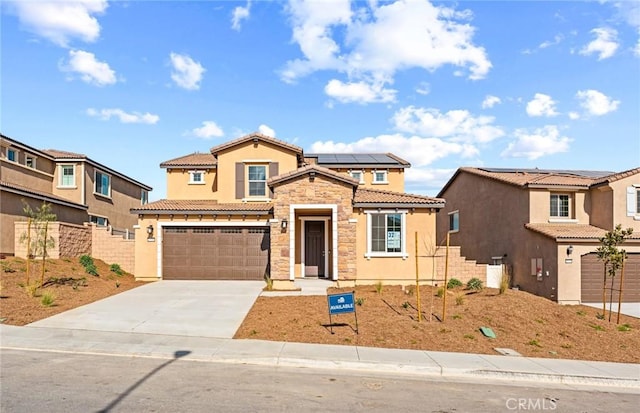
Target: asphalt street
[[69, 383]]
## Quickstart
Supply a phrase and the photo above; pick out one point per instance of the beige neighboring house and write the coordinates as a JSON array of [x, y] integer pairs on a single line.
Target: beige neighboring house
[[545, 225], [79, 189], [258, 206]]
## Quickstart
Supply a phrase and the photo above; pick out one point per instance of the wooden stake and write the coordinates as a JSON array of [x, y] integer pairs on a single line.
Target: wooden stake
[[418, 281], [446, 274], [28, 248], [620, 292]]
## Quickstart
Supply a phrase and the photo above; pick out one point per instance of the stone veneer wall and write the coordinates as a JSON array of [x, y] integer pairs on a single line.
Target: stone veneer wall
[[321, 190]]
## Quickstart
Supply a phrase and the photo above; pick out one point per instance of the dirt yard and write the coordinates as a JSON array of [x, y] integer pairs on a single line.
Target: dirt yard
[[18, 307], [531, 325]]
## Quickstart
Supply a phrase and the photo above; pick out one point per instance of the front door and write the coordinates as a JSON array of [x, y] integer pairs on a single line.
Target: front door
[[314, 249]]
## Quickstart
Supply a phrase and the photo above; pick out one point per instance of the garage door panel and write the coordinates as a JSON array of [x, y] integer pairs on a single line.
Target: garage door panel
[[592, 279], [215, 253]]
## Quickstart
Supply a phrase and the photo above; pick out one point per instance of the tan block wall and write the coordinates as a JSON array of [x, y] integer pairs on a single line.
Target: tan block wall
[[70, 240], [459, 267], [319, 191], [113, 249]]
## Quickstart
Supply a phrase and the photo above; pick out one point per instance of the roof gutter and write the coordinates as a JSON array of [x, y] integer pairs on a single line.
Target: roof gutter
[[437, 205]]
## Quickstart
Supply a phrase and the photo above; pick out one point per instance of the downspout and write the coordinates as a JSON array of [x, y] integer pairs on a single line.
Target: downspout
[[83, 190]]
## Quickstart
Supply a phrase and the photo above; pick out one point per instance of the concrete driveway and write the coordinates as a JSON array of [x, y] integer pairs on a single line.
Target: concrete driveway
[[632, 309], [182, 308]]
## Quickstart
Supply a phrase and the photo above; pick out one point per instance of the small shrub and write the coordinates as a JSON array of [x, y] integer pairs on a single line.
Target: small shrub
[[453, 283], [600, 316], [91, 270], [378, 286], [115, 268], [405, 305], [566, 346], [534, 342], [440, 292], [410, 290], [581, 313], [474, 284], [457, 317], [596, 327], [269, 282], [32, 289], [460, 299], [624, 327], [505, 280], [47, 299], [445, 330], [89, 265], [117, 284], [6, 267], [359, 301], [86, 260], [470, 336]]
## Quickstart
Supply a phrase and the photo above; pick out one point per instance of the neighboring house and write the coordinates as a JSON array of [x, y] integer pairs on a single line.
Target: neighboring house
[[257, 206], [79, 189], [545, 225]]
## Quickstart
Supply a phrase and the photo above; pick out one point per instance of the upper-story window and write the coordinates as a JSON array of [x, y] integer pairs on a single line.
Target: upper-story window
[[380, 177], [357, 175], [559, 207], [144, 197], [12, 155], [257, 180], [67, 176], [638, 201], [30, 161], [196, 177], [454, 221], [102, 184]]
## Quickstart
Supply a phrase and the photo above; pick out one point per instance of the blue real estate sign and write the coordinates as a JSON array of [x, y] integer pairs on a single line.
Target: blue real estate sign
[[341, 303]]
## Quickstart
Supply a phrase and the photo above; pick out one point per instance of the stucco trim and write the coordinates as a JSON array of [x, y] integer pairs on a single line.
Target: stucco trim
[[334, 239]]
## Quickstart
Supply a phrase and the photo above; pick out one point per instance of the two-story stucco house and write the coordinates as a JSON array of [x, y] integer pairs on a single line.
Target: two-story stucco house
[[546, 225], [79, 189], [258, 206]]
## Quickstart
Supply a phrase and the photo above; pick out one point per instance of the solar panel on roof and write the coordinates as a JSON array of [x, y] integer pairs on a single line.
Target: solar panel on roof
[[582, 173]]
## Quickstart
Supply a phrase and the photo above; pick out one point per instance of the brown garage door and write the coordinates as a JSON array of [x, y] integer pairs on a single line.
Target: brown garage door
[[214, 253], [592, 275]]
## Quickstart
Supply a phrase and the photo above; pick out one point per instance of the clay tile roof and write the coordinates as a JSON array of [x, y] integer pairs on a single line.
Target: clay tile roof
[[619, 175], [308, 169], [193, 159], [209, 206], [374, 197], [539, 177], [561, 232], [64, 154], [260, 137], [46, 196]]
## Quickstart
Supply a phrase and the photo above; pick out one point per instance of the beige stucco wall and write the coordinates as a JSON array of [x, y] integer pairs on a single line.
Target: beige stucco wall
[[601, 208], [395, 178], [36, 179], [398, 270], [178, 186], [73, 193], [124, 196], [250, 151], [620, 203]]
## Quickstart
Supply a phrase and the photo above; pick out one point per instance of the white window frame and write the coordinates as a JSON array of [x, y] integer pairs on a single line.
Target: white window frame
[[375, 173], [16, 154], [359, 172], [61, 175], [637, 201], [403, 234], [33, 161], [95, 218], [264, 181], [193, 181], [95, 184], [451, 215], [568, 216]]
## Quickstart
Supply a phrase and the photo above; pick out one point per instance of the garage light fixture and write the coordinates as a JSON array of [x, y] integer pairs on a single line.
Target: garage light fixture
[[150, 231], [570, 250]]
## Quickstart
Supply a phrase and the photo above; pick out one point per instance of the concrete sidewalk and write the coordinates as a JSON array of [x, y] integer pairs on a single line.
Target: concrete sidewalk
[[271, 353]]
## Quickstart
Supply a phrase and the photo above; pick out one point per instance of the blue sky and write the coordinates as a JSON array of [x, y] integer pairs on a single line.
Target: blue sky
[[444, 84]]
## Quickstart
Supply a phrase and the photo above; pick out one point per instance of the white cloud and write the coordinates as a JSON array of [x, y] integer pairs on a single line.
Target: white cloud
[[239, 14], [419, 151], [381, 39], [89, 68], [187, 73], [266, 130], [455, 125], [574, 115], [60, 22], [596, 103], [541, 105], [423, 88], [359, 92], [209, 129], [124, 117], [490, 101], [556, 40], [533, 145], [605, 44]]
